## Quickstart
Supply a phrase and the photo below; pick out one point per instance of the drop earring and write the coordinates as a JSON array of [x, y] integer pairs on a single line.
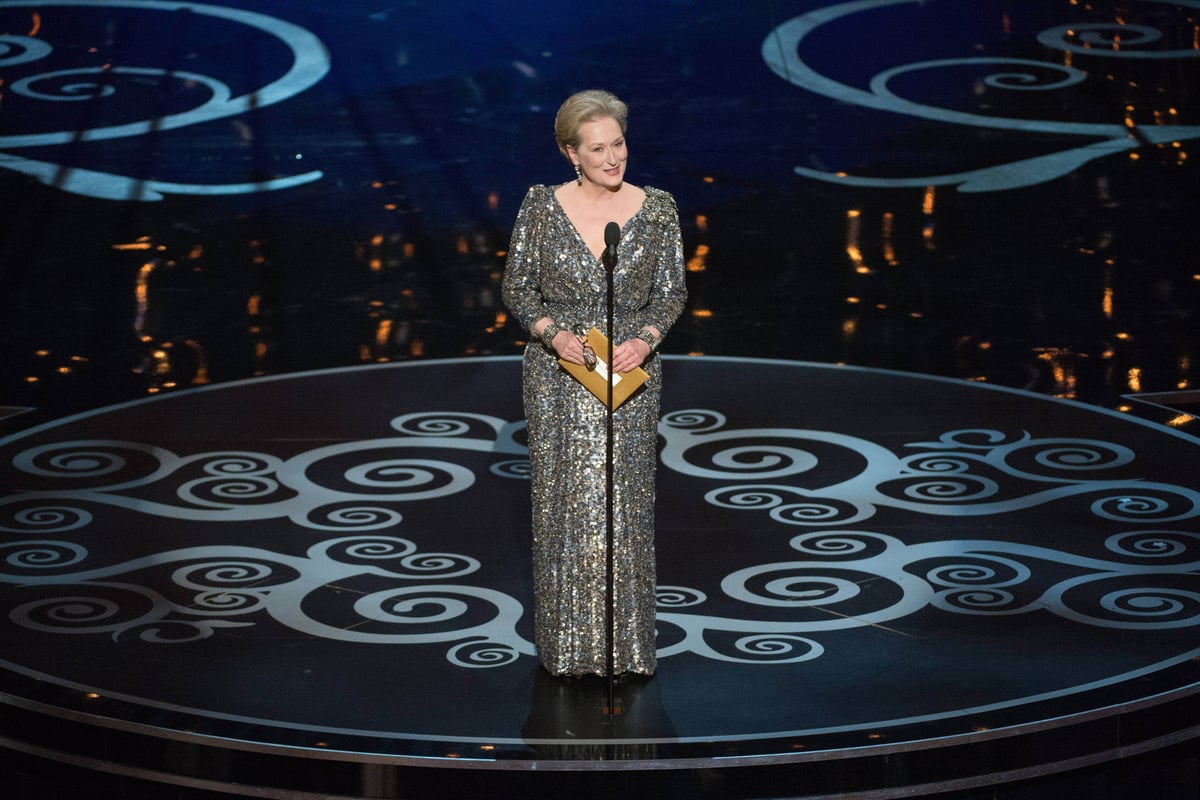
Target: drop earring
[[578, 175]]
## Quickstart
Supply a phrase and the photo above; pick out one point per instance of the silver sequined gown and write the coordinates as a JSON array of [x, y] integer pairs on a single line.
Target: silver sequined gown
[[551, 272]]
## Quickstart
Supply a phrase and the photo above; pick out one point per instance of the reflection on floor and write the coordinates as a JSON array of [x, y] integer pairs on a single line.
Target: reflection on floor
[[231, 195]]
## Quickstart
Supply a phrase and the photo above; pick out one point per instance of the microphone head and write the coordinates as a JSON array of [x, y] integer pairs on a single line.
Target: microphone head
[[612, 234]]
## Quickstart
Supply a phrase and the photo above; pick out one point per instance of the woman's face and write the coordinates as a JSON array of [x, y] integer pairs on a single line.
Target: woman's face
[[601, 154]]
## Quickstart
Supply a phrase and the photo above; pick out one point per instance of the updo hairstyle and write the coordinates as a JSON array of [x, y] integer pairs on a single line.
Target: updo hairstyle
[[586, 106]]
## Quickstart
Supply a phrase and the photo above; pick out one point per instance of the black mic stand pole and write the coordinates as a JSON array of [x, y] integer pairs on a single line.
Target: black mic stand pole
[[612, 234]]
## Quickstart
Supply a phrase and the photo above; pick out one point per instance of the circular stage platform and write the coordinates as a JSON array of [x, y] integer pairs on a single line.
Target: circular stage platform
[[871, 583]]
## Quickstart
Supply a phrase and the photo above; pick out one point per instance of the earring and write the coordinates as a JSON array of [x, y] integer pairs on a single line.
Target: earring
[[578, 175]]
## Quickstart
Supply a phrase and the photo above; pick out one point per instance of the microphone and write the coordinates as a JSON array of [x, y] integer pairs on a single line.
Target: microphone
[[612, 237]]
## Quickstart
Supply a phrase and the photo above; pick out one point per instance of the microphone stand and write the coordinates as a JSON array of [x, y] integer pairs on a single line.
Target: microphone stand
[[612, 235]]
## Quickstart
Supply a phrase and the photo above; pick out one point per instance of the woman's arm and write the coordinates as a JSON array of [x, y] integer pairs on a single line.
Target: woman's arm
[[668, 294], [521, 286]]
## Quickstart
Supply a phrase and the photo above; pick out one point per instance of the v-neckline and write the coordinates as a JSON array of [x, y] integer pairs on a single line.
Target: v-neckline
[[575, 229]]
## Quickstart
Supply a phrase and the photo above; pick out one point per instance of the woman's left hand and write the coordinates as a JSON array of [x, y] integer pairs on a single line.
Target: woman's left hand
[[630, 354]]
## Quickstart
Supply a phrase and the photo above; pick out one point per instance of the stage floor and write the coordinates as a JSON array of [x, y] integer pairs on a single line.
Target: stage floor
[[854, 564], [927, 510]]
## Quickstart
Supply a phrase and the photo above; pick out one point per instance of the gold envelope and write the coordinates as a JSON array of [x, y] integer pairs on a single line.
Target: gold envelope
[[596, 379]]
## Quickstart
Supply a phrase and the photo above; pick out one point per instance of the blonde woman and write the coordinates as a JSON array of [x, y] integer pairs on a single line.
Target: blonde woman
[[555, 285]]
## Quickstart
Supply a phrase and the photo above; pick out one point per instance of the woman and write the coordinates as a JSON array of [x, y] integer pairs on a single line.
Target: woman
[[555, 284]]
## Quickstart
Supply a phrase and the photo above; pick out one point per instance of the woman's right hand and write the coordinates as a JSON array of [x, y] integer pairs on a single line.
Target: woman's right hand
[[568, 347]]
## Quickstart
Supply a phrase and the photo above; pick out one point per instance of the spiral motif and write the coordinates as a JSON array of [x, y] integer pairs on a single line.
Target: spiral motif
[[407, 607], [226, 591], [1023, 81], [432, 425], [350, 518], [939, 463], [963, 488], [1125, 507], [1109, 40], [1080, 456], [678, 597], [83, 613], [792, 585], [220, 492], [72, 611], [482, 654], [416, 609], [818, 512], [358, 548], [811, 590], [96, 459], [1128, 602], [48, 519], [309, 64], [975, 600], [777, 459], [742, 497], [1060, 455], [380, 549], [440, 565], [781, 51], [74, 463], [222, 573], [958, 574], [70, 92], [393, 474], [809, 511], [1173, 605], [410, 478], [778, 648], [244, 488], [761, 459], [695, 420], [983, 570], [841, 543], [226, 602], [42, 555], [517, 468], [1155, 544], [239, 464]]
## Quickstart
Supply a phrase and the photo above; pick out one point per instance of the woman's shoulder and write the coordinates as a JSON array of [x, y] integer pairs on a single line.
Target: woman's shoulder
[[539, 197], [659, 204], [659, 195], [539, 191]]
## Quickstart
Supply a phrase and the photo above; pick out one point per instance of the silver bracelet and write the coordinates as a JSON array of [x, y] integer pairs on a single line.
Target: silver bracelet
[[649, 338], [548, 333]]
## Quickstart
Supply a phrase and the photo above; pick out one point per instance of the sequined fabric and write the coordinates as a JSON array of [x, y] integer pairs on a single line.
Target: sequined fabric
[[551, 272]]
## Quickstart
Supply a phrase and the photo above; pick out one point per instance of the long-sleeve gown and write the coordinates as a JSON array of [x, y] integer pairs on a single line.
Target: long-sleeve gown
[[551, 272]]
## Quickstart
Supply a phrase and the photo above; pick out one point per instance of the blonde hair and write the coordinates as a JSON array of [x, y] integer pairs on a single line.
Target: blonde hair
[[586, 106]]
